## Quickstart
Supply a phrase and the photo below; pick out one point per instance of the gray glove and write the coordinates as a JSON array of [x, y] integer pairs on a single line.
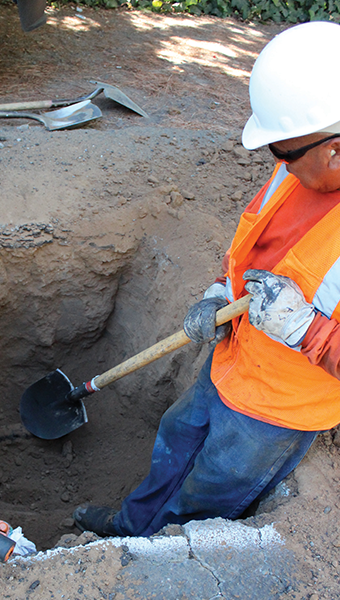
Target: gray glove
[[278, 306], [200, 321]]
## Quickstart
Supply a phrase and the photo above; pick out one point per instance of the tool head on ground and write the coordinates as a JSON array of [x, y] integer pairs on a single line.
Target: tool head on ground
[[109, 90], [294, 87], [47, 412], [63, 118], [118, 96]]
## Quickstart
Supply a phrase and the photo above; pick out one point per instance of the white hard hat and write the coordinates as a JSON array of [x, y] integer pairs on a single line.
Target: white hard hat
[[295, 85]]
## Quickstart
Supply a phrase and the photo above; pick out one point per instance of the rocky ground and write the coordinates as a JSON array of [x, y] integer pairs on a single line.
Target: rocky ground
[[108, 234]]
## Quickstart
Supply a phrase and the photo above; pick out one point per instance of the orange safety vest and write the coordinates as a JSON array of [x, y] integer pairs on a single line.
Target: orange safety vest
[[265, 378]]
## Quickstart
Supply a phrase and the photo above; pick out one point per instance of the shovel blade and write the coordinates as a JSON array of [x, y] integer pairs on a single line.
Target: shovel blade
[[63, 118], [114, 93], [71, 116], [45, 410]]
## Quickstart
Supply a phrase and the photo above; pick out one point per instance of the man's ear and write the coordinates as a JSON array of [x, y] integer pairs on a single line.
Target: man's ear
[[334, 153]]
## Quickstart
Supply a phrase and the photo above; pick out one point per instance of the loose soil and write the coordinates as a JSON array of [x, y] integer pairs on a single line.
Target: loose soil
[[108, 234]]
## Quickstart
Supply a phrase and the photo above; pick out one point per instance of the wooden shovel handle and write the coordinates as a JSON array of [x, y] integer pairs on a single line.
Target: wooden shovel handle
[[169, 344], [32, 104], [26, 105]]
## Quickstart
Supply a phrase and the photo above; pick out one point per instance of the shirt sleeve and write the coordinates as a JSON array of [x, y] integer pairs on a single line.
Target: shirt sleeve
[[321, 344]]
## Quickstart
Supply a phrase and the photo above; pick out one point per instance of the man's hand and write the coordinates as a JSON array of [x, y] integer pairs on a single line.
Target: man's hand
[[278, 306], [200, 321]]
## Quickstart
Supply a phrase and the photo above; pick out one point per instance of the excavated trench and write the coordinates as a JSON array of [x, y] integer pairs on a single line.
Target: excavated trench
[[93, 277], [61, 311], [84, 308], [102, 254], [85, 330]]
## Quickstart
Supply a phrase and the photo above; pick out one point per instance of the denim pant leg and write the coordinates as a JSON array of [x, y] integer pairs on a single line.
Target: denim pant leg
[[180, 436], [240, 458], [209, 461]]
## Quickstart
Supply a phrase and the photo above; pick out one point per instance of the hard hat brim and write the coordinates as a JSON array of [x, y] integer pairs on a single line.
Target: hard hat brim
[[254, 136]]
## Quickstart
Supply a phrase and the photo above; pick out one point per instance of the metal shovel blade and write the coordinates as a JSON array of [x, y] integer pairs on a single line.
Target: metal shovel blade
[[118, 96], [63, 118], [46, 412]]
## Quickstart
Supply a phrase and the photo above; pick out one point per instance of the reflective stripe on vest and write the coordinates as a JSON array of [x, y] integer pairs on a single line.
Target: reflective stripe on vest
[[326, 298], [277, 179], [229, 290]]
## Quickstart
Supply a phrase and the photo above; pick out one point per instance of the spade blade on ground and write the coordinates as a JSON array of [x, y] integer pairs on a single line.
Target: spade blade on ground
[[114, 93], [63, 118]]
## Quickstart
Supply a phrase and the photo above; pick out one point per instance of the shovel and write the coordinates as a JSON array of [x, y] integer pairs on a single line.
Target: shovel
[[109, 90], [115, 94], [53, 407], [64, 118]]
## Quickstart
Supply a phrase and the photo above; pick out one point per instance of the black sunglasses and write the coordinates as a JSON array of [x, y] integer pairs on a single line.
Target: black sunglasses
[[292, 155]]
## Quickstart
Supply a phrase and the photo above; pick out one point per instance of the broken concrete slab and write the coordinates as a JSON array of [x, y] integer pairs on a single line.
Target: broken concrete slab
[[247, 562], [204, 560]]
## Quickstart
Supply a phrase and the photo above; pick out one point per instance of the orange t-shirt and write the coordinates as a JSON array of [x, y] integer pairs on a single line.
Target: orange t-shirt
[[287, 226]]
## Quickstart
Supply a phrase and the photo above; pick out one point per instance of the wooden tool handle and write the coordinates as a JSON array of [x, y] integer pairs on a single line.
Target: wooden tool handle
[[169, 344], [26, 105]]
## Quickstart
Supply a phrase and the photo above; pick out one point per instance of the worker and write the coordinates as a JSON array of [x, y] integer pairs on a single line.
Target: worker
[[271, 383]]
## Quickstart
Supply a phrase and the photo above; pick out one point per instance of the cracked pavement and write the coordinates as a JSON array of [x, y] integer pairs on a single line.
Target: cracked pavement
[[205, 560]]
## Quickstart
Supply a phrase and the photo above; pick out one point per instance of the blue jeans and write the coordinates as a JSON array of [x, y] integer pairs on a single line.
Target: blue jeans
[[208, 461]]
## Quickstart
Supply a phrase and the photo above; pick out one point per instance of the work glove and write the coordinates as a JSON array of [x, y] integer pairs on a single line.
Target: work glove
[[278, 306], [200, 321]]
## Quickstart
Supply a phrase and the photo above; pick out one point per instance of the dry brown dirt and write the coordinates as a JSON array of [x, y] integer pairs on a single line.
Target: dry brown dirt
[[108, 234]]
